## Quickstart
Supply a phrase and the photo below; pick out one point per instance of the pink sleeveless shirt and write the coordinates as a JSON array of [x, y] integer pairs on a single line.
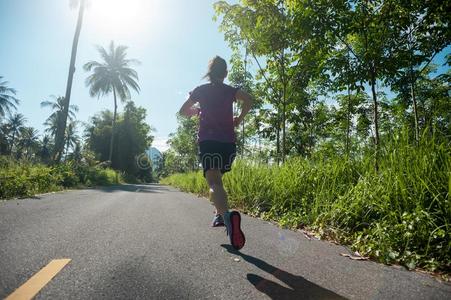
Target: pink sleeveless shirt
[[216, 111]]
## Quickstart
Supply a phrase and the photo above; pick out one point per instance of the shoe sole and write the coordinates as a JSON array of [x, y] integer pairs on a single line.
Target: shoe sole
[[237, 238]]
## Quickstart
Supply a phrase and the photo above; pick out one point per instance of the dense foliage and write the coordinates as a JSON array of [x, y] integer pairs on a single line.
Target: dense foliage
[[182, 155], [367, 66], [133, 137]]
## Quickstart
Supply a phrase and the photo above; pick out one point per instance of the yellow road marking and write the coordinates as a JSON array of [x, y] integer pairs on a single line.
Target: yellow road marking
[[30, 288]]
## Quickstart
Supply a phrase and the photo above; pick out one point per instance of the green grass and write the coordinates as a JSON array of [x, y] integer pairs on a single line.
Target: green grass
[[22, 179], [400, 214]]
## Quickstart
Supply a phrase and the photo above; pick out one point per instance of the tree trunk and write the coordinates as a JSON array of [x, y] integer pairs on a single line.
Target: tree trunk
[[243, 139], [113, 125], [283, 127], [284, 104], [67, 149], [245, 86], [61, 129], [414, 101], [432, 122], [375, 117], [412, 84], [278, 139], [12, 143], [348, 122]]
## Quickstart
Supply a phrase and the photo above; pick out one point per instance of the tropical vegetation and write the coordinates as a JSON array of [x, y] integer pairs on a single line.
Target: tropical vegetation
[[32, 163], [350, 133]]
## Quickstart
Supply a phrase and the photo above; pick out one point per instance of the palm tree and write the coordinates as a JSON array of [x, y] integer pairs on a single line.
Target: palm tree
[[61, 129], [57, 106], [8, 100], [15, 123], [45, 149], [76, 155], [113, 75], [4, 134], [71, 136], [51, 125], [28, 141]]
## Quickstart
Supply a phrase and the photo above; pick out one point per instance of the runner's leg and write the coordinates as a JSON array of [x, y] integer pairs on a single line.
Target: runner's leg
[[217, 193]]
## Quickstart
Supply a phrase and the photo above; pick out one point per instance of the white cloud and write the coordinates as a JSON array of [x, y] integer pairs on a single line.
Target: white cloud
[[160, 143]]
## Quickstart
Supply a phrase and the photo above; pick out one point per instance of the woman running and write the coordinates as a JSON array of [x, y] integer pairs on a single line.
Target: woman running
[[216, 138]]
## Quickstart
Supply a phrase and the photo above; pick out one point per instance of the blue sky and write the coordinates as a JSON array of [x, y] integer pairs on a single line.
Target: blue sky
[[173, 39]]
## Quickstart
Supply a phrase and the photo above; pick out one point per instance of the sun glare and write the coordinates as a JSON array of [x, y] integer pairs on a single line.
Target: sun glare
[[122, 16]]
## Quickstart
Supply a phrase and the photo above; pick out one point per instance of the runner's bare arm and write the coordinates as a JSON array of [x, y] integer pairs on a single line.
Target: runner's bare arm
[[187, 108], [245, 108]]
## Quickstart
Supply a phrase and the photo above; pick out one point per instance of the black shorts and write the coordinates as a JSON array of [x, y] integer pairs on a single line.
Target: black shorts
[[217, 155]]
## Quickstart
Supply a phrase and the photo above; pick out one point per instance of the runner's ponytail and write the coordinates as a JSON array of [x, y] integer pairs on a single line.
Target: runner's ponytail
[[217, 70]]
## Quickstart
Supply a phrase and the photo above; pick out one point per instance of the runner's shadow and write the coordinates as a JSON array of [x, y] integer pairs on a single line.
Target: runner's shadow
[[300, 288]]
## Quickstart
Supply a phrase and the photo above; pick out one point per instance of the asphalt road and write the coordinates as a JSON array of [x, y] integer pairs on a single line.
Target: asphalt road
[[154, 242]]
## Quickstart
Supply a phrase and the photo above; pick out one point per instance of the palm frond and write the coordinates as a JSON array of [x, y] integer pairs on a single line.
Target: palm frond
[[91, 64], [47, 103], [73, 108], [128, 81], [112, 50], [132, 61], [8, 101], [16, 122], [122, 90], [129, 72], [120, 53]]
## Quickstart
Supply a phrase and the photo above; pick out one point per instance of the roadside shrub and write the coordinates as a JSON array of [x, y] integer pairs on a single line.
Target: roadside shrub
[[23, 179], [66, 174]]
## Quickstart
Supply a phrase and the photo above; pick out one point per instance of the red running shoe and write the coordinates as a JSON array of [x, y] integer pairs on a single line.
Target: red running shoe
[[233, 225]]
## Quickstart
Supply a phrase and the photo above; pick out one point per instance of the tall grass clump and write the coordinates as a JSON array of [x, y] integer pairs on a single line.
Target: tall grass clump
[[398, 214], [250, 186], [192, 182], [401, 213]]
